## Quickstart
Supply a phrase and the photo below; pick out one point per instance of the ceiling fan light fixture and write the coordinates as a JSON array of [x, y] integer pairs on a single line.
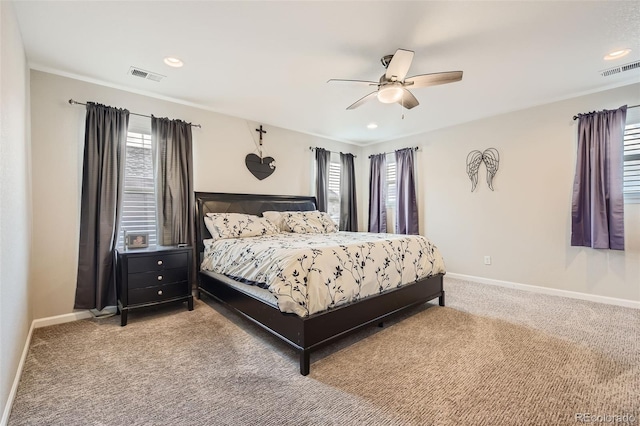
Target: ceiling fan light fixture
[[390, 93], [392, 85]]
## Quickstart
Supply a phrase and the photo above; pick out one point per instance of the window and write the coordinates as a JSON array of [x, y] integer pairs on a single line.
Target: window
[[632, 163], [139, 199], [391, 181], [333, 202]]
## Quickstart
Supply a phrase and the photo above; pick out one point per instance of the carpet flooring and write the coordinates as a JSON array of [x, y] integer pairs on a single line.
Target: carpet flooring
[[492, 356]]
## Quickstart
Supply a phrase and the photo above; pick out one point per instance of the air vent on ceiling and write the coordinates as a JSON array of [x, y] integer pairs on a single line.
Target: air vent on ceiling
[[622, 68], [138, 72]]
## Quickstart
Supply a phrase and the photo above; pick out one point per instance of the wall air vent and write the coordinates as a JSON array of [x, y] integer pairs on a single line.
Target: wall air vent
[[622, 68], [137, 72]]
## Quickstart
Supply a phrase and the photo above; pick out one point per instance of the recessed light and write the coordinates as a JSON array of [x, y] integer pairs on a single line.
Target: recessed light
[[617, 54], [173, 62], [372, 126]]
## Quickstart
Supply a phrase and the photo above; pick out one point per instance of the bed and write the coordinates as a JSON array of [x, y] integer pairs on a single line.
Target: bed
[[310, 329]]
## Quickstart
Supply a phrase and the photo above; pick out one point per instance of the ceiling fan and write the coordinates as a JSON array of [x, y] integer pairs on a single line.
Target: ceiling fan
[[393, 85]]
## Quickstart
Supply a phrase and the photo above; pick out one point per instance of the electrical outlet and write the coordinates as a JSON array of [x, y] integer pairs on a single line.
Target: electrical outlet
[[487, 260]]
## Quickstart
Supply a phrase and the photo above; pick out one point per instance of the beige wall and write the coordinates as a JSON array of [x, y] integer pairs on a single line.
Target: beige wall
[[525, 224], [15, 209], [57, 142]]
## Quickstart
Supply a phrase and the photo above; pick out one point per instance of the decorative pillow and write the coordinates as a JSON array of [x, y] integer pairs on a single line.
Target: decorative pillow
[[277, 219], [238, 225], [313, 222]]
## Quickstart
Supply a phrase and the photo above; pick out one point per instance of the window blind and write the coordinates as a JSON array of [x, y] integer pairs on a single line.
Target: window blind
[[333, 207], [139, 201], [631, 172], [391, 182]]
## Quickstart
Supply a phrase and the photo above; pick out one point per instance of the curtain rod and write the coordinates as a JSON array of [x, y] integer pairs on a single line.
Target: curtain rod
[[575, 117], [313, 148], [415, 148], [72, 102]]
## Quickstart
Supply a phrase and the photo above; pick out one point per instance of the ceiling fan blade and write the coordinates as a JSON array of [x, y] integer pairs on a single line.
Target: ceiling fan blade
[[340, 80], [434, 79], [399, 65], [408, 100], [360, 101]]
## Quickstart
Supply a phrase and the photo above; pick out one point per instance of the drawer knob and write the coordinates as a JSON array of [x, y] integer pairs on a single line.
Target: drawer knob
[[159, 262], [159, 277], [159, 292]]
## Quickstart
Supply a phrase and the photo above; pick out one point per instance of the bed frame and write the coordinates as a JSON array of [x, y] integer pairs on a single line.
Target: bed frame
[[304, 334]]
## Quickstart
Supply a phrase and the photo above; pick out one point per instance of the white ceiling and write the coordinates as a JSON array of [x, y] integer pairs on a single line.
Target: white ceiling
[[269, 61]]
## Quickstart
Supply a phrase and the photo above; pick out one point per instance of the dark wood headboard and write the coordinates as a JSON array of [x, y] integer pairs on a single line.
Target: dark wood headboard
[[220, 202]]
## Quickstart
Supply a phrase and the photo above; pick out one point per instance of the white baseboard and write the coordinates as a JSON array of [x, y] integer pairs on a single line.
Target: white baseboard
[[42, 322], [59, 319], [16, 380], [549, 291]]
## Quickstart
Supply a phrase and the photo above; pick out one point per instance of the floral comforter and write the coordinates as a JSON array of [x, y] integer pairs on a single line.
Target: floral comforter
[[310, 273]]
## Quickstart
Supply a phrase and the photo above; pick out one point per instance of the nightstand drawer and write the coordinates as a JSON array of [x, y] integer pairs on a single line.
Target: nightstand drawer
[[155, 278], [158, 293], [158, 262]]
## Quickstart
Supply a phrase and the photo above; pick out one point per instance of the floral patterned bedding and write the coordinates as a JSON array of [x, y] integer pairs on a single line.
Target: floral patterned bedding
[[309, 273]]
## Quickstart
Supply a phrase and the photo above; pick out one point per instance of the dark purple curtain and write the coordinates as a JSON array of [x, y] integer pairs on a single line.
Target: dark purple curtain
[[406, 205], [323, 158], [597, 210], [348, 201], [105, 137], [378, 193]]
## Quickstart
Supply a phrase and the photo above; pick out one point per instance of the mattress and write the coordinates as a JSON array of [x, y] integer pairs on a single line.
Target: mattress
[[252, 290], [310, 273]]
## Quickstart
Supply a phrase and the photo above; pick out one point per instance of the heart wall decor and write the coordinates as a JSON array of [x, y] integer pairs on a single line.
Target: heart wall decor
[[261, 168]]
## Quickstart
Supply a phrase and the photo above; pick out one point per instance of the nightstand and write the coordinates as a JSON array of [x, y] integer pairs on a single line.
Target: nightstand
[[149, 276]]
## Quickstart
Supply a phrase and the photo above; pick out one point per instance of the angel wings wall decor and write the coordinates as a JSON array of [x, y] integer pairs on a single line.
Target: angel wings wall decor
[[491, 160]]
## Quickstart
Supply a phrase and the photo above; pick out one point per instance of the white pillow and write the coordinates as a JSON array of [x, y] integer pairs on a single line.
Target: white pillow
[[312, 222], [238, 225], [277, 218]]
